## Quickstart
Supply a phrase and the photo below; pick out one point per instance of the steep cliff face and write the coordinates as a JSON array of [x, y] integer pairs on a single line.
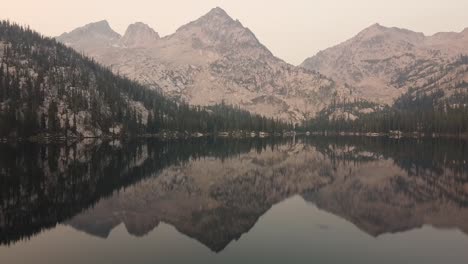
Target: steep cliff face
[[384, 62], [215, 59]]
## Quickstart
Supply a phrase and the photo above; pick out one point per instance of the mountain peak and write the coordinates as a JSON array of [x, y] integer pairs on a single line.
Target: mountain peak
[[102, 27], [96, 31], [215, 19], [218, 30], [375, 28], [99, 24], [388, 33], [217, 12], [216, 15], [139, 26], [139, 34]]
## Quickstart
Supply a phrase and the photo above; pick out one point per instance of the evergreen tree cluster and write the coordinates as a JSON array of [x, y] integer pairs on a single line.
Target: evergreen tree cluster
[[46, 87], [412, 112]]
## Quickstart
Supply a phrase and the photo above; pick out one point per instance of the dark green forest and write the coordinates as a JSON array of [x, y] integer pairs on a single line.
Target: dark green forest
[[411, 112], [48, 88]]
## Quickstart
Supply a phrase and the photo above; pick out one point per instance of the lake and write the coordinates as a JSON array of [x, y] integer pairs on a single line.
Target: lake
[[278, 200]]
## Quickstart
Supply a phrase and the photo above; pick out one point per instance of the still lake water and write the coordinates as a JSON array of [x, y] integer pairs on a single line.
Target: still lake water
[[303, 200]]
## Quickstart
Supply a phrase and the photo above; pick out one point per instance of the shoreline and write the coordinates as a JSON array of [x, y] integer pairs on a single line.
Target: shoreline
[[51, 138], [392, 135], [60, 138]]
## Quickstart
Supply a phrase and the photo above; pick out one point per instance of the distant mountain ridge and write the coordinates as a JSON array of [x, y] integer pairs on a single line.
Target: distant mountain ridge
[[383, 63], [50, 90], [211, 60], [216, 59]]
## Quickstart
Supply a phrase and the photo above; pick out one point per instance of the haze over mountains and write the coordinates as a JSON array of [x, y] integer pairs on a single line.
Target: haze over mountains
[[215, 59], [383, 63], [207, 61], [48, 89]]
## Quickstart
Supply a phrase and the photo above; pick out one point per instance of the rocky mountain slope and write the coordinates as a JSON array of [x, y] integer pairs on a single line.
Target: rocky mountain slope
[[207, 61], [48, 89], [383, 63]]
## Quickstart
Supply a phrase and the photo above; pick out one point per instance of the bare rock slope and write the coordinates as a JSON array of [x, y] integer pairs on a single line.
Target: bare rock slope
[[207, 61], [384, 63]]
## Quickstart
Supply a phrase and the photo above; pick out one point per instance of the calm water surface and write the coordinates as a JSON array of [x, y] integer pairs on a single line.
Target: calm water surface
[[303, 200]]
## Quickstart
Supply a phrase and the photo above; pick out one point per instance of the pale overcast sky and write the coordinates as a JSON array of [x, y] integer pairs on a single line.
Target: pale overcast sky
[[292, 29]]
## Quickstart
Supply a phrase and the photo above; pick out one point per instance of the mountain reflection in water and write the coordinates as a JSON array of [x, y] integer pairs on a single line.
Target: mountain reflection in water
[[214, 191]]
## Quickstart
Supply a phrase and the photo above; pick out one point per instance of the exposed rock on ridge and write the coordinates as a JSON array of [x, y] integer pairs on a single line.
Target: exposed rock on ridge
[[216, 59]]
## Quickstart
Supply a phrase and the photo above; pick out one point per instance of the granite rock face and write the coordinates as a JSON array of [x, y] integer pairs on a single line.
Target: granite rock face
[[211, 60], [383, 63]]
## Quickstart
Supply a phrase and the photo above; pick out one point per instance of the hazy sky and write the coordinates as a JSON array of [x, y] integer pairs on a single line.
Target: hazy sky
[[291, 29]]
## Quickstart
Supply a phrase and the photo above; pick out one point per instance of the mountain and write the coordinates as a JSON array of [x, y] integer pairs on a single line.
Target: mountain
[[92, 35], [139, 34], [383, 63], [48, 88], [216, 59]]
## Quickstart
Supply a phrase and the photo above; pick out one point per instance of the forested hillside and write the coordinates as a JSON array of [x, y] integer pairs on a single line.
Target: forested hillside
[[414, 111], [406, 82], [47, 88]]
